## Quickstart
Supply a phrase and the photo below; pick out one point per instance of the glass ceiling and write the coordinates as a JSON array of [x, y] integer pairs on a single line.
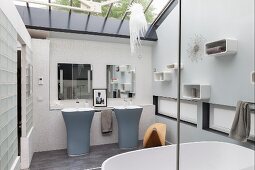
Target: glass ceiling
[[118, 10]]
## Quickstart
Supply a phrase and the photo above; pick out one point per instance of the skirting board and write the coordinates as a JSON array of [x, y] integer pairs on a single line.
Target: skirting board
[[16, 164], [27, 150]]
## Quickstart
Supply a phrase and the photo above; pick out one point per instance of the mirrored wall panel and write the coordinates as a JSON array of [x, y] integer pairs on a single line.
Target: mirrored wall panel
[[74, 81], [120, 81]]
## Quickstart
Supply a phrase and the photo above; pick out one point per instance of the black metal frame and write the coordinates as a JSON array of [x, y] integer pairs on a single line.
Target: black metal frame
[[106, 17], [123, 18], [155, 103], [105, 97], [94, 25], [161, 17], [206, 122], [150, 35]]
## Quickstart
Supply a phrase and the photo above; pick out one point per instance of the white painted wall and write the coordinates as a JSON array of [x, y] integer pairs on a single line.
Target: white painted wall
[[9, 9], [228, 76], [50, 132], [27, 115], [99, 55]]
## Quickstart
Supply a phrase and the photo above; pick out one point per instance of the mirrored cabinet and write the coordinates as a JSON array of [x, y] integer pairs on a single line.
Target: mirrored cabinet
[[121, 81], [74, 81]]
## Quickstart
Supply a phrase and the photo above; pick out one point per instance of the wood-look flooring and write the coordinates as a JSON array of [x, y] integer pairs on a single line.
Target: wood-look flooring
[[59, 160]]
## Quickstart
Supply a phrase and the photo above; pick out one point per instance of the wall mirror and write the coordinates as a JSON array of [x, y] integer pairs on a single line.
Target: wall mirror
[[74, 81], [120, 81]]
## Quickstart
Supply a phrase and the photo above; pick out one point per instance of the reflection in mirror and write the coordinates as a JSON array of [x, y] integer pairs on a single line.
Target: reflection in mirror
[[120, 81], [74, 81]]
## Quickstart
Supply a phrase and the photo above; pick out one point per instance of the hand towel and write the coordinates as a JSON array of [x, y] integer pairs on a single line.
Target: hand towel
[[106, 122], [241, 126]]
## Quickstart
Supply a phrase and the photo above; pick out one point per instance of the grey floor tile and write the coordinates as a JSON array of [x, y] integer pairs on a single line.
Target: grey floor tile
[[59, 160]]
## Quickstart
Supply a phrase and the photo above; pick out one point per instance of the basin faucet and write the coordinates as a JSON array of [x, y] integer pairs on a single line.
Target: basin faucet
[[125, 101], [77, 101]]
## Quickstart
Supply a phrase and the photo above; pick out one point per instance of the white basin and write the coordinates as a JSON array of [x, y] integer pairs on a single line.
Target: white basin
[[77, 109], [127, 107]]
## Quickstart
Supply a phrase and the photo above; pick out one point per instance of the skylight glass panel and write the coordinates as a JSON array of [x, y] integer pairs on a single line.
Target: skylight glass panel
[[118, 10]]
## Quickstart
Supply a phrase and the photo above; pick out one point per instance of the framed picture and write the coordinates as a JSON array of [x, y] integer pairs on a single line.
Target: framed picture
[[99, 98]]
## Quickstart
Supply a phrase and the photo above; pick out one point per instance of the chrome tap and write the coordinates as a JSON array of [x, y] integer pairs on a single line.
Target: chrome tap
[[125, 102]]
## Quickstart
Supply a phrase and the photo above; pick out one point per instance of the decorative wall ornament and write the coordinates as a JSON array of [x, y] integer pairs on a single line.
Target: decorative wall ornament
[[137, 26], [195, 48]]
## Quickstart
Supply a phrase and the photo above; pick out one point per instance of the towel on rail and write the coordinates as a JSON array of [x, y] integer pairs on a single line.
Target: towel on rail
[[241, 126], [106, 122]]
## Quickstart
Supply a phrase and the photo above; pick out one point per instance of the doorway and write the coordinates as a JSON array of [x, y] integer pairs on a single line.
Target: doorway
[[19, 122]]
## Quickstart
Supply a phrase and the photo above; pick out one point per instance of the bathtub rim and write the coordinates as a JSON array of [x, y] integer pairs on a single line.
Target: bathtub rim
[[186, 143]]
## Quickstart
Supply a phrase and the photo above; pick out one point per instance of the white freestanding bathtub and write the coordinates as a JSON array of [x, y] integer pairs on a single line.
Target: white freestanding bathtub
[[194, 156]]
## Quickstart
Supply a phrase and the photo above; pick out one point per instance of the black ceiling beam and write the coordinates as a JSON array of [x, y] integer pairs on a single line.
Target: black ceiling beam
[[125, 15], [87, 21], [106, 17], [49, 6], [161, 17], [148, 6], [69, 15], [71, 4]]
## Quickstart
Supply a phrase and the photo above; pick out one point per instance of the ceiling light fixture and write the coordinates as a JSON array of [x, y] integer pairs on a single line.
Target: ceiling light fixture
[[137, 26]]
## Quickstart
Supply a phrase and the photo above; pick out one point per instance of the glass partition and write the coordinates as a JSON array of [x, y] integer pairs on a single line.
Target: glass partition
[[217, 50]]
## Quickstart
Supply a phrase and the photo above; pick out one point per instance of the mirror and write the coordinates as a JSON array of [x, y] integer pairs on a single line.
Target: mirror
[[120, 81], [74, 81]]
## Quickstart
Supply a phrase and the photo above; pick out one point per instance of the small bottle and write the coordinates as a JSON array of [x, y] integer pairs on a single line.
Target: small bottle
[[130, 102]]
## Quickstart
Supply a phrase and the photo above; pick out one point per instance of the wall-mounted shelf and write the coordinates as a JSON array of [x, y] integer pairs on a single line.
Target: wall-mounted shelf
[[123, 68], [174, 66], [196, 91], [222, 47], [125, 87], [114, 82], [163, 76], [253, 77]]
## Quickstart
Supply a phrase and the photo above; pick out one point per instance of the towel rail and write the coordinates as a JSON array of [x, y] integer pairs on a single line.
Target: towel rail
[[252, 109]]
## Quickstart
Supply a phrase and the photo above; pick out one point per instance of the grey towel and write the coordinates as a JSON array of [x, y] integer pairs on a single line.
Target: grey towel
[[214, 50], [106, 122], [241, 126]]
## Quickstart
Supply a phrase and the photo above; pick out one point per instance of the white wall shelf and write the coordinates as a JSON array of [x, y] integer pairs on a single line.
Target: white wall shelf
[[125, 87], [222, 47], [253, 77], [174, 66], [123, 68], [163, 76], [196, 91]]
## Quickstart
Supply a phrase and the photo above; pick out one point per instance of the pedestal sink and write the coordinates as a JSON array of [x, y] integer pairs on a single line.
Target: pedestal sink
[[78, 122], [128, 118]]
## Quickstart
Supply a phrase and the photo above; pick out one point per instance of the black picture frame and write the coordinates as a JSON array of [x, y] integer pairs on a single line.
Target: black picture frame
[[99, 97]]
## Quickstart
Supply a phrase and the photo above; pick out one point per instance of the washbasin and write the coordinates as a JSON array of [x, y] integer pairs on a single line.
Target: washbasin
[[127, 107], [128, 118], [78, 123], [76, 109]]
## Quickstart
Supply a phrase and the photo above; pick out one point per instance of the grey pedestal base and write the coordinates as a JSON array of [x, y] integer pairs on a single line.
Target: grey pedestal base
[[128, 127], [78, 126]]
